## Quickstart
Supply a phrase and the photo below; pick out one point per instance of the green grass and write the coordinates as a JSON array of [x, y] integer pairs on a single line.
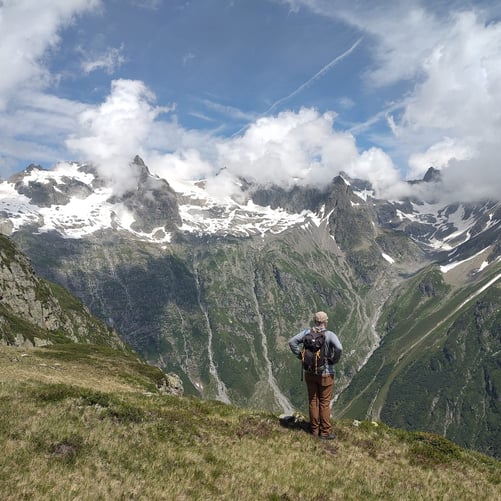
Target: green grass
[[434, 361], [74, 428], [410, 314]]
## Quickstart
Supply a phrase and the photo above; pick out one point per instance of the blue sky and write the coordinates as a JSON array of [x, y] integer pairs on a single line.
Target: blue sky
[[287, 91]]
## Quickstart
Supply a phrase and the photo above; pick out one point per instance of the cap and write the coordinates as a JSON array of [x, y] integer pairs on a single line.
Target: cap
[[321, 317]]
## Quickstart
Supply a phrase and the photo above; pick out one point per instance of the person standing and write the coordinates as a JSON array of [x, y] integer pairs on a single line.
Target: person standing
[[320, 377]]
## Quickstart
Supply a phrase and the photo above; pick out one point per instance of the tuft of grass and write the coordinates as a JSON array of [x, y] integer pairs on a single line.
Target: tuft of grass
[[431, 450]]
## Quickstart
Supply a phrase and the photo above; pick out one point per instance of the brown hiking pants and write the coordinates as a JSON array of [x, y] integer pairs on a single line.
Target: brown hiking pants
[[319, 397]]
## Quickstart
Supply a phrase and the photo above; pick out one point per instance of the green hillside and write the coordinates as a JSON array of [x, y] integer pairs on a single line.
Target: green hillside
[[36, 312], [87, 422], [438, 365]]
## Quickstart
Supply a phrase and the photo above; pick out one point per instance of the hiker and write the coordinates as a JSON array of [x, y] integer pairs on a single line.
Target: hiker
[[319, 376]]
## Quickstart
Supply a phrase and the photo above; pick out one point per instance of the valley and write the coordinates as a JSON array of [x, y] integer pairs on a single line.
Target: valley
[[211, 289]]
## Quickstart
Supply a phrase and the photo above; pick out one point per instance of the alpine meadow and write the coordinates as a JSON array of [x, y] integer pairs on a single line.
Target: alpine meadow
[[90, 419]]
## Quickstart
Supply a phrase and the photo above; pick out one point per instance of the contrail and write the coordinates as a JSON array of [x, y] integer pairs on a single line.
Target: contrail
[[315, 77], [354, 129]]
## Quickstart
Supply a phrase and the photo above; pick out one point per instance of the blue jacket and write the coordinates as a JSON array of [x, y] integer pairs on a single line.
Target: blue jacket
[[333, 346]]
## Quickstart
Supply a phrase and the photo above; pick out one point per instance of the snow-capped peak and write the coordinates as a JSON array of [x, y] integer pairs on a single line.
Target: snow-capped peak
[[80, 213]]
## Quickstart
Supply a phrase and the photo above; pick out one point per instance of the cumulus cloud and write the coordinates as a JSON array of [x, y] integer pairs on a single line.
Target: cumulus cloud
[[299, 148], [181, 165], [449, 63], [439, 155], [455, 108], [28, 29], [464, 181], [462, 84], [284, 149], [112, 133], [304, 148], [291, 148]]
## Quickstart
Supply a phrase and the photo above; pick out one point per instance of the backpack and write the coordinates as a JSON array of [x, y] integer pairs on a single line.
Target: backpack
[[313, 355]]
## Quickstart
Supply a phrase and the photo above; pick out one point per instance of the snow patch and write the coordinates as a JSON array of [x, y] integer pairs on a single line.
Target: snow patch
[[388, 258], [202, 214], [447, 267], [364, 194], [58, 173]]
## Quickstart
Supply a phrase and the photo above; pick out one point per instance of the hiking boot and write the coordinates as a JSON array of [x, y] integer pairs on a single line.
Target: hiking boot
[[330, 436]]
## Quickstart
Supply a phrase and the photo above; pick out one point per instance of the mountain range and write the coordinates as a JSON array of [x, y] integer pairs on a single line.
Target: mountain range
[[212, 287]]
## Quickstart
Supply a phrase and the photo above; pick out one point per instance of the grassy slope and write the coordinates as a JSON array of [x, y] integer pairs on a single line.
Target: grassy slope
[[420, 324], [402, 383], [85, 422]]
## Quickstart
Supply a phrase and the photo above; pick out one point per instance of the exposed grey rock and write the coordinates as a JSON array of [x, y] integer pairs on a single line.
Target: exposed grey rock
[[171, 384], [31, 314], [153, 203]]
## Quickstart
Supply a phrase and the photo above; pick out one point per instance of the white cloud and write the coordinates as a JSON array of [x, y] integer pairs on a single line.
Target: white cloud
[[377, 167], [291, 148], [462, 86], [448, 65], [439, 155], [112, 133], [302, 148], [108, 61], [475, 179], [454, 114], [28, 28], [180, 166]]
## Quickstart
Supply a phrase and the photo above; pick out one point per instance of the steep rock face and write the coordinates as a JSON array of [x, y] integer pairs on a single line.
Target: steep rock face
[[296, 199], [153, 202], [31, 311], [352, 226]]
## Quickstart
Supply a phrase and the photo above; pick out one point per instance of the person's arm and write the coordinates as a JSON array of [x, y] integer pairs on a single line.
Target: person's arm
[[338, 348], [295, 341]]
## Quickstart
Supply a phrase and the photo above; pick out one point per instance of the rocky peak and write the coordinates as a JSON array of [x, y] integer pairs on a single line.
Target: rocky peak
[[432, 175], [154, 203], [340, 194], [142, 169]]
